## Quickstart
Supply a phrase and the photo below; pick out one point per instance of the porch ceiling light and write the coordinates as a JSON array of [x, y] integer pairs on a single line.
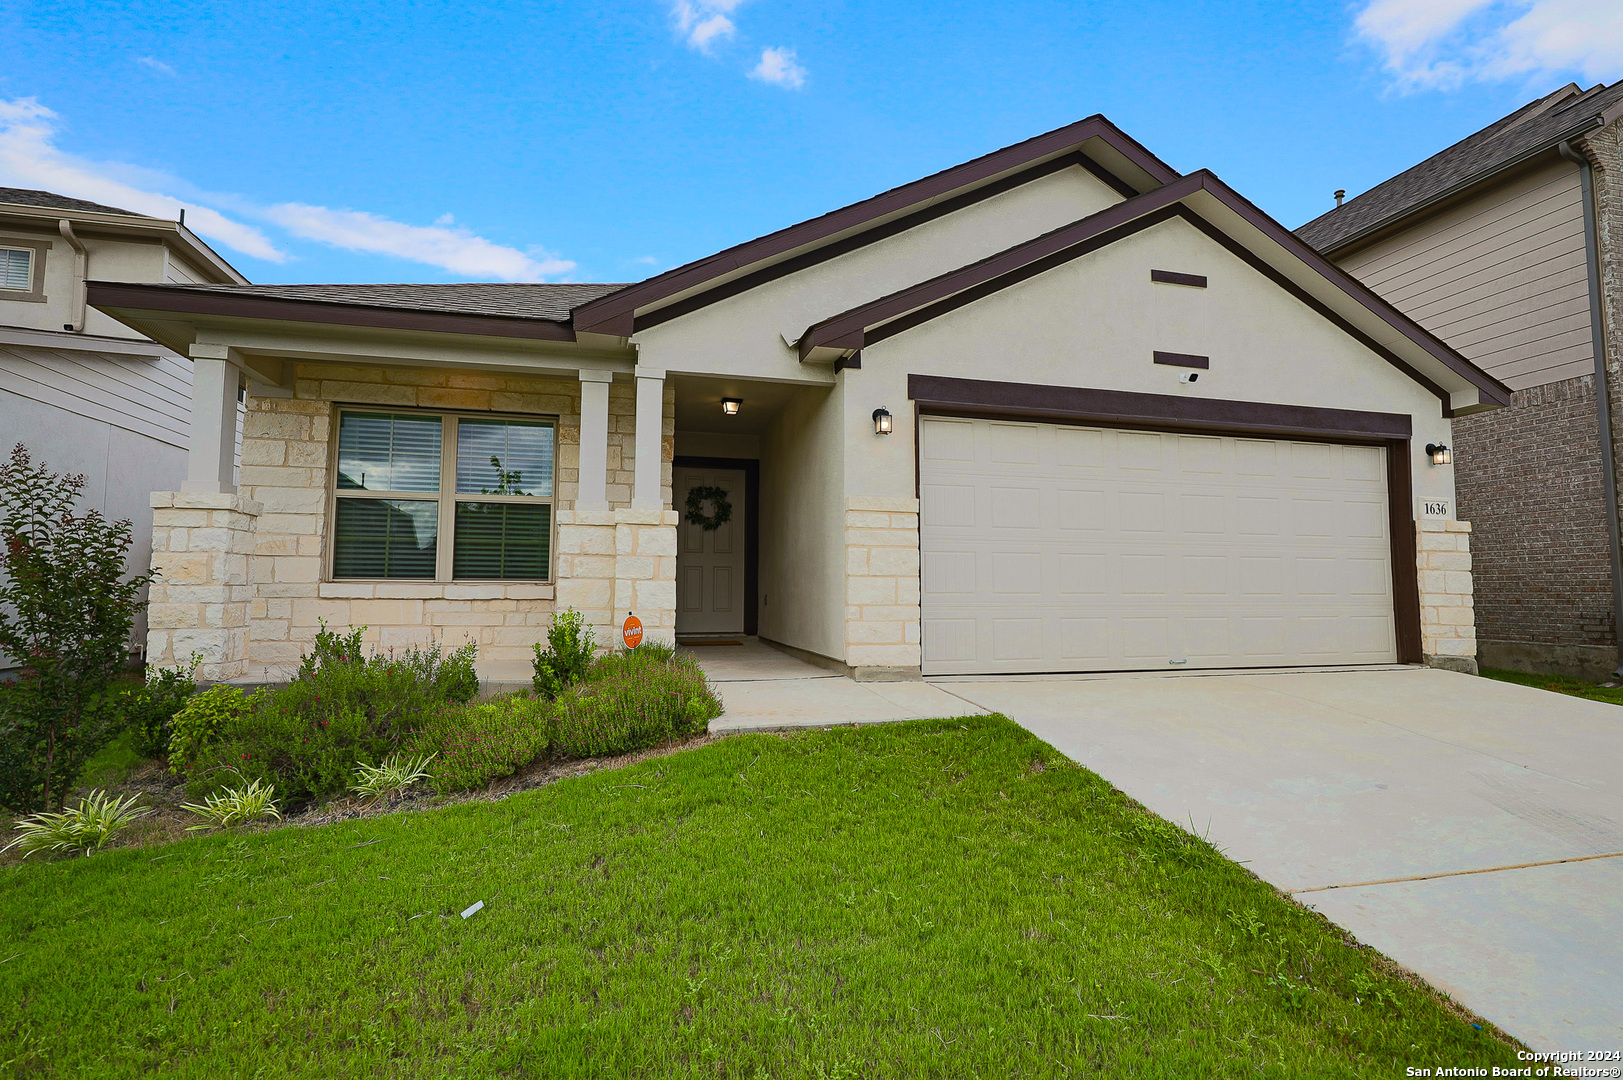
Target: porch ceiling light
[[881, 421], [729, 405], [1440, 454]]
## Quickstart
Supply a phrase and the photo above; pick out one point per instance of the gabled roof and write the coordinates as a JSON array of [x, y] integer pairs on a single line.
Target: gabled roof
[[1535, 128], [1228, 218], [518, 300], [50, 200], [485, 310], [1094, 143]]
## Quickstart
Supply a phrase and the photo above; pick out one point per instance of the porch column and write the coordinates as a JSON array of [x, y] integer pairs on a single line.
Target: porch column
[[212, 456], [646, 494], [594, 440]]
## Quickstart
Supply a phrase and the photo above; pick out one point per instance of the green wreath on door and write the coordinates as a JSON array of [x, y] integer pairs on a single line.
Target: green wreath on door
[[721, 515]]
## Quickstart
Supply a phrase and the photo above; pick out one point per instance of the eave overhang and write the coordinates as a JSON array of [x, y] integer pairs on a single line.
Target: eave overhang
[[1229, 219], [96, 223]]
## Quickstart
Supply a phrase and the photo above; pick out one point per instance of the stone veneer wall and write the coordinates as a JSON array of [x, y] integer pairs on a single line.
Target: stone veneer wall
[[201, 598], [882, 587], [1447, 625], [286, 450]]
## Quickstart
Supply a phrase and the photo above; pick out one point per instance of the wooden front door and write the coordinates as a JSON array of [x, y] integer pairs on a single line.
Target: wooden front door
[[710, 562]]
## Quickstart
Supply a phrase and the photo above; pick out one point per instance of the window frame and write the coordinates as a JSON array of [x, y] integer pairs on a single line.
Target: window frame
[[447, 497], [35, 293]]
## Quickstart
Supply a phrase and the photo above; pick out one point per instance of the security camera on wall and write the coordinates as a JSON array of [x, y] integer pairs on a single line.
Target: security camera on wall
[[1189, 376]]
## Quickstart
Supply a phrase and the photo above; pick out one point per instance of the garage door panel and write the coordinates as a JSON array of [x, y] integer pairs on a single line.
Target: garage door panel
[[1196, 551]]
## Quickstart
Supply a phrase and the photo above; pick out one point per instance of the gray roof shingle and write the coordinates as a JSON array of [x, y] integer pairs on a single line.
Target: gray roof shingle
[[522, 300], [50, 200], [1535, 126]]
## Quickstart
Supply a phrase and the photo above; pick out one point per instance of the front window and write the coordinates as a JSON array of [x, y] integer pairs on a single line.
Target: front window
[[443, 497]]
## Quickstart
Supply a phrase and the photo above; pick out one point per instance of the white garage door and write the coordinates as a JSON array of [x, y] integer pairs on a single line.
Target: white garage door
[[1049, 548]]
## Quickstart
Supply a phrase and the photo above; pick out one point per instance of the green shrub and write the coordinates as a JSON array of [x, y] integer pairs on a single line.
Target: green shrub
[[66, 610], [84, 828], [475, 744], [568, 655], [343, 709], [633, 700], [202, 722], [149, 709]]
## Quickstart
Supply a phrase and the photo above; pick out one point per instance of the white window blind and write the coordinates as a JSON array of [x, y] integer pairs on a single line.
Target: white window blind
[[16, 268]]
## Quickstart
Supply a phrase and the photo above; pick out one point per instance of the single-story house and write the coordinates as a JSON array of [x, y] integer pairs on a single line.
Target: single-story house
[[1059, 408], [84, 392], [1509, 246]]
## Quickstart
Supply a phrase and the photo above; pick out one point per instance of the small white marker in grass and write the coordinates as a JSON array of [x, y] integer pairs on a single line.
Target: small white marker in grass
[[471, 912]]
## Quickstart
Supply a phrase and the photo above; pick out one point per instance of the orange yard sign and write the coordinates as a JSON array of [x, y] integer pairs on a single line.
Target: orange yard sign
[[632, 631]]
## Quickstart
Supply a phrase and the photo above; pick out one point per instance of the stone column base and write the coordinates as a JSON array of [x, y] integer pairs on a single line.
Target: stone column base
[[882, 588], [614, 563], [199, 598], [1447, 605]]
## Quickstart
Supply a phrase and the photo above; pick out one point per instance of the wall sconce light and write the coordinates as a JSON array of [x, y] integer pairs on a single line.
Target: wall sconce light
[[729, 405], [1440, 454], [881, 421]]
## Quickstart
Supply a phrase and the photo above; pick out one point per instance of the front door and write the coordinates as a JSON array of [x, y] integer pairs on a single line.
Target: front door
[[710, 561]]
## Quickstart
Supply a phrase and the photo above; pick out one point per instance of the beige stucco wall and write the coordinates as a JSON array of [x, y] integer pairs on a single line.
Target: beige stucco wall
[[110, 260], [1095, 321], [287, 446], [802, 583], [745, 334]]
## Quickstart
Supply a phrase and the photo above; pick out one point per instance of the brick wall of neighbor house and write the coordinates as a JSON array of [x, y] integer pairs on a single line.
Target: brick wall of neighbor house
[[882, 587], [1605, 151], [286, 454], [1528, 479]]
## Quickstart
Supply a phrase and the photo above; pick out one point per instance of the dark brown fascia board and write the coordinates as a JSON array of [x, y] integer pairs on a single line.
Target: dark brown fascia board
[[796, 263], [616, 314], [1122, 408], [1458, 192], [848, 330], [105, 295], [907, 308]]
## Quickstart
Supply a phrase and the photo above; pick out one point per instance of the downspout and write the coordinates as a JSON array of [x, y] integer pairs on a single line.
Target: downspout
[[81, 274], [1603, 409]]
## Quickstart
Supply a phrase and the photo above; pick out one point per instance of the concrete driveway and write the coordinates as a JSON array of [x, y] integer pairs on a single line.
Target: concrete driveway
[[1451, 822]]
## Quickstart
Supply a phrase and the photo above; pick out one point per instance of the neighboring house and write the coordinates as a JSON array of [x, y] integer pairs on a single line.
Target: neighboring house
[[82, 390], [1059, 408], [1509, 246]]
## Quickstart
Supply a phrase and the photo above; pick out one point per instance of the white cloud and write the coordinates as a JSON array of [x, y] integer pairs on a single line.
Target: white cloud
[[703, 22], [1444, 43], [453, 249], [780, 68], [155, 64], [29, 158]]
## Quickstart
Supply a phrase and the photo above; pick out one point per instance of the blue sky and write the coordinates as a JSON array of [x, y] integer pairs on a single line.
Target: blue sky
[[605, 142]]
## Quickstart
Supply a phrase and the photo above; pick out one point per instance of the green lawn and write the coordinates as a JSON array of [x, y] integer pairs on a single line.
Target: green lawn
[[1561, 684], [937, 899]]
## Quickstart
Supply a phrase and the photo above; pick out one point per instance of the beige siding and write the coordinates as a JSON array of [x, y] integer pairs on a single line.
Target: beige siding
[[148, 397], [1501, 278]]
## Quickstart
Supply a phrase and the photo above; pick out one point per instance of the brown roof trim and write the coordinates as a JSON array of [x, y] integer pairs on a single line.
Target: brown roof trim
[[902, 310], [110, 294], [849, 329], [615, 314], [860, 240], [1070, 404]]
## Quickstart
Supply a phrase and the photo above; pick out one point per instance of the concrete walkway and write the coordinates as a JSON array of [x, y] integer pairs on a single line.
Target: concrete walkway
[[762, 688], [1330, 785]]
